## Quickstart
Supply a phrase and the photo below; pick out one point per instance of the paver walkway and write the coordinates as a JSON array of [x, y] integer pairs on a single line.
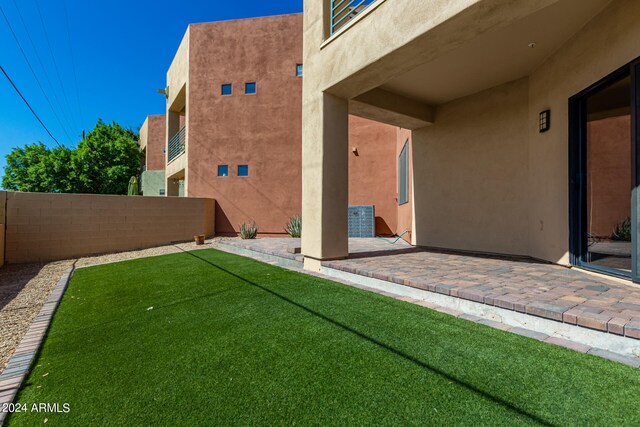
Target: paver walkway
[[545, 290]]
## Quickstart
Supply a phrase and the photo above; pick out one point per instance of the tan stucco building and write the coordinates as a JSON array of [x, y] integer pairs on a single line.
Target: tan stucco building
[[502, 101]]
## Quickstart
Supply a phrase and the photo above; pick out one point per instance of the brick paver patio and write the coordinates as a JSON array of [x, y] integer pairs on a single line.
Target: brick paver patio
[[544, 290]]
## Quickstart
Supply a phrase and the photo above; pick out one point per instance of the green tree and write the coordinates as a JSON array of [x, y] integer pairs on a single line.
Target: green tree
[[105, 160], [36, 168], [101, 164]]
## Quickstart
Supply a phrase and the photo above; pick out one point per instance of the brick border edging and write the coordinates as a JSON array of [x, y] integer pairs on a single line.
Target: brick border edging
[[20, 363]]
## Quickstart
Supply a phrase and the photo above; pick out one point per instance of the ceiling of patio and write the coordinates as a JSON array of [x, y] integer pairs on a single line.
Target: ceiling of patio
[[497, 57]]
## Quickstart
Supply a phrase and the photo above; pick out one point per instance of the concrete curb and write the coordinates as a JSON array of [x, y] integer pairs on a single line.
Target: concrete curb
[[20, 363]]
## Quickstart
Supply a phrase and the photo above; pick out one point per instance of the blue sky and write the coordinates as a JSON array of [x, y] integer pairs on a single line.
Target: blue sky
[[121, 50]]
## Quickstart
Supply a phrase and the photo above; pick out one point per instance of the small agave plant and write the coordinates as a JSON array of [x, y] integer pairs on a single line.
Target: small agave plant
[[294, 226], [248, 230]]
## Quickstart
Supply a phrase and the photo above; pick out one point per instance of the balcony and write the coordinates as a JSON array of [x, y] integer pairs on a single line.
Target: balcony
[[176, 145], [343, 11]]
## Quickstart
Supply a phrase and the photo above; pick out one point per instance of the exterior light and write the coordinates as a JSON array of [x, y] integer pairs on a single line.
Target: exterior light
[[164, 92], [532, 45], [545, 121]]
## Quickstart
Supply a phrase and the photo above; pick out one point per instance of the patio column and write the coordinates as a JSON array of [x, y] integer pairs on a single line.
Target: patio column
[[325, 181]]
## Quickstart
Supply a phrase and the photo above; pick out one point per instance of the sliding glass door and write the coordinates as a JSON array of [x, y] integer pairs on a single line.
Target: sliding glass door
[[604, 175]]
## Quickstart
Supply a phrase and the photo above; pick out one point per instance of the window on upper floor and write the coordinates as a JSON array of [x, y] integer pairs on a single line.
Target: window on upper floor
[[250, 88], [223, 170], [299, 70], [227, 89], [243, 170]]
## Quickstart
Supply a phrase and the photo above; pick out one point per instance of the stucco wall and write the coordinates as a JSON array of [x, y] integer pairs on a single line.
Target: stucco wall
[[471, 173], [178, 101], [606, 43], [608, 174], [153, 182], [44, 227], [372, 171], [261, 131], [264, 131], [152, 139], [405, 211], [484, 154]]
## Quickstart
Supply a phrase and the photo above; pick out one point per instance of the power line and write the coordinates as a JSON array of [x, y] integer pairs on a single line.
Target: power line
[[73, 61], [33, 72], [55, 63], [44, 70], [28, 105]]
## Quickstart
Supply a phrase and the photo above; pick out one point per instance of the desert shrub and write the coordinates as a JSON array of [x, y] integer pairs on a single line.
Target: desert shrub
[[622, 232], [294, 226], [248, 230]]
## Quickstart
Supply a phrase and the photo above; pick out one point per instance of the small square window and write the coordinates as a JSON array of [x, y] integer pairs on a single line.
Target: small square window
[[223, 170], [243, 170], [250, 88], [227, 89], [299, 70], [162, 192]]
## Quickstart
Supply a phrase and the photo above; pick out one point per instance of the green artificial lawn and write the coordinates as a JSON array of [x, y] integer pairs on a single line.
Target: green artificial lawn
[[234, 341]]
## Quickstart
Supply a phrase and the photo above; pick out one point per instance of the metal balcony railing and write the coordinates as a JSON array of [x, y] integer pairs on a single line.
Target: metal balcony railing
[[343, 11], [176, 145]]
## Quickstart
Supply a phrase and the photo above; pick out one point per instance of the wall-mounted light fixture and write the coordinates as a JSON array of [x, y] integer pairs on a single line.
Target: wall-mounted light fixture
[[354, 150], [164, 92], [545, 121]]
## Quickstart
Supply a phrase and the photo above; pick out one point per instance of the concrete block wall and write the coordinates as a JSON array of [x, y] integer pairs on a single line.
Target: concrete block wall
[[46, 227]]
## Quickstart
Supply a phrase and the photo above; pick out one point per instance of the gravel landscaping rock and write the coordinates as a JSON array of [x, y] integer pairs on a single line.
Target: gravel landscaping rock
[[23, 290]]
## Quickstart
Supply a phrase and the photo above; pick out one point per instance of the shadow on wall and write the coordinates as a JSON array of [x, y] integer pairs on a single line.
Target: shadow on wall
[[223, 224], [382, 228]]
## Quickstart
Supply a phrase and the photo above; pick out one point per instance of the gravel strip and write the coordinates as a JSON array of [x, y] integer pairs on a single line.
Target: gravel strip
[[143, 253], [25, 287], [23, 290]]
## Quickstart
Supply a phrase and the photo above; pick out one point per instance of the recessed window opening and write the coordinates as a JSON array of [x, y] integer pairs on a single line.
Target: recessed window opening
[[243, 170], [223, 170], [250, 88], [403, 175], [227, 89]]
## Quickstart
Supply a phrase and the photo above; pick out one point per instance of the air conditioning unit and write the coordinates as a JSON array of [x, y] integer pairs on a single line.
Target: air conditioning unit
[[362, 222]]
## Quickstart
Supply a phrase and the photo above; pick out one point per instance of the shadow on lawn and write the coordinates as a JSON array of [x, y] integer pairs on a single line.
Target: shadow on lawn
[[387, 347]]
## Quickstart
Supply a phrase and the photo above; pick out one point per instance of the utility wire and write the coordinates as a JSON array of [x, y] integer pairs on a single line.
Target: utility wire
[[44, 70], [55, 63], [33, 72], [28, 105], [73, 61]]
